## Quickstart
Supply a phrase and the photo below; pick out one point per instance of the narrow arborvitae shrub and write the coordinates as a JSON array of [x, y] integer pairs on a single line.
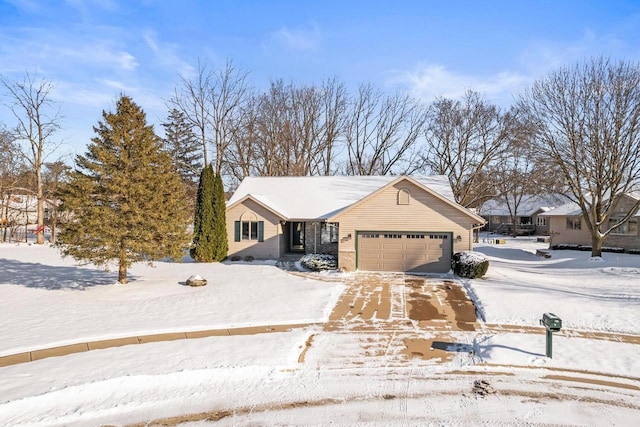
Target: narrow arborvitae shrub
[[220, 242], [472, 265], [203, 246]]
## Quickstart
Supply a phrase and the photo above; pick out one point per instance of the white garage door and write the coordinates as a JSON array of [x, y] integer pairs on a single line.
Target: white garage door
[[401, 251]]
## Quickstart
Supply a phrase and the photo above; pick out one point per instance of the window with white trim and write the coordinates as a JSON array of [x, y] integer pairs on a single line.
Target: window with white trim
[[541, 220], [249, 228]]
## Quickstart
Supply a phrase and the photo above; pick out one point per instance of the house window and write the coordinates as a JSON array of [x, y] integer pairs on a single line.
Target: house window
[[438, 236], [329, 232], [574, 223], [403, 197], [630, 227], [541, 220], [249, 228], [495, 220]]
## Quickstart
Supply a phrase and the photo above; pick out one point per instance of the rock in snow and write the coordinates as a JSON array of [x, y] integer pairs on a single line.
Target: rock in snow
[[195, 280]]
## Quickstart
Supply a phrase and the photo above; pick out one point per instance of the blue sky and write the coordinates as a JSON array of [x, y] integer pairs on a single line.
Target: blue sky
[[95, 49]]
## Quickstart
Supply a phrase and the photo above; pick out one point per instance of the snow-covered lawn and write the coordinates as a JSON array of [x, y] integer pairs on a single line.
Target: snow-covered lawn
[[260, 379], [47, 301], [601, 294]]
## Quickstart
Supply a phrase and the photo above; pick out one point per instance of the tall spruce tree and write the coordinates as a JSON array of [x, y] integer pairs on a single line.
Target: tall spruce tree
[[125, 198], [183, 146], [221, 244], [203, 247]]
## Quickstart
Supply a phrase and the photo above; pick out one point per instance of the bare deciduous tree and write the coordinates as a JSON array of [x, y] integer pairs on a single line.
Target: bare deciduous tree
[[227, 95], [38, 118], [53, 177], [588, 121], [381, 132], [464, 139], [192, 99], [518, 172], [289, 130], [12, 170], [212, 102]]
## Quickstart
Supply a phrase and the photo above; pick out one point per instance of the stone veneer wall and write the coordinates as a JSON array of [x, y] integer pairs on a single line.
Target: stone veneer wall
[[313, 237]]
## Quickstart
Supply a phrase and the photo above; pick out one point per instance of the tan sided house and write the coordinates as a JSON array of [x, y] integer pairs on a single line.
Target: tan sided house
[[372, 223], [567, 225]]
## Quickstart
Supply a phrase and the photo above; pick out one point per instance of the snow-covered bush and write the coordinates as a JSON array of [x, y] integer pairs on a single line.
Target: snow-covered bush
[[472, 265], [319, 262]]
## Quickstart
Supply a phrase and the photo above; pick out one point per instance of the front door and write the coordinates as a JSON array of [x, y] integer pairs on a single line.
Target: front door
[[297, 236]]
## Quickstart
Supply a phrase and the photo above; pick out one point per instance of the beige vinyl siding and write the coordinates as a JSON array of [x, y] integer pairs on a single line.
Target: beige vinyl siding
[[270, 248], [424, 213], [560, 234]]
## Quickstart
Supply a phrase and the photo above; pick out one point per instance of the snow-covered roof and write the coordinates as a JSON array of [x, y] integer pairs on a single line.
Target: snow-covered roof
[[572, 208], [320, 197], [529, 205], [568, 209]]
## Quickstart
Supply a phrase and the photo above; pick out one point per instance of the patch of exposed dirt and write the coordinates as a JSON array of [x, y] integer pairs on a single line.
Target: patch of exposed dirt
[[421, 308], [307, 344]]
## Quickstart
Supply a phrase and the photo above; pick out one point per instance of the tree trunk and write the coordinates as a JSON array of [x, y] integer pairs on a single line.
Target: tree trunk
[[122, 263], [122, 273], [40, 204], [596, 245], [53, 231]]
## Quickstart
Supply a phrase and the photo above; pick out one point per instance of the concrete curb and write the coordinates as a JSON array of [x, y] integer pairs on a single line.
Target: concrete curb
[[30, 356]]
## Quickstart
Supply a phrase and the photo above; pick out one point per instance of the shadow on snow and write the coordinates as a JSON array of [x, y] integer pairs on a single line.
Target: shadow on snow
[[40, 276]]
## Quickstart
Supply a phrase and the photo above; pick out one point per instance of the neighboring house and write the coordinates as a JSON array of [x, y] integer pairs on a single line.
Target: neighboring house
[[568, 226], [374, 223], [22, 209], [528, 218]]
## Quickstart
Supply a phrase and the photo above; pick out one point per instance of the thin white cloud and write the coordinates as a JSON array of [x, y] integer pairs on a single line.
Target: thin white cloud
[[428, 81], [35, 46], [166, 55], [298, 39]]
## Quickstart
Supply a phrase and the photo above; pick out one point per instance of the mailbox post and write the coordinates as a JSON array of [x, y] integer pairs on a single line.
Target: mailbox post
[[553, 324]]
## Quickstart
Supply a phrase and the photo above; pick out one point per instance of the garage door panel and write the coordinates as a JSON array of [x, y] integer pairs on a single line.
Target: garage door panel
[[411, 252], [392, 246], [390, 256]]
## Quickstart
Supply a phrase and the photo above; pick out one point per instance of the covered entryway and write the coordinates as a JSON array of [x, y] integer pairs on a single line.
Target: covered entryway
[[415, 252]]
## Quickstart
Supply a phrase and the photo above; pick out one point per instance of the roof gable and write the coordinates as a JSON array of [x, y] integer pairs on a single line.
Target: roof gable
[[420, 185], [322, 197]]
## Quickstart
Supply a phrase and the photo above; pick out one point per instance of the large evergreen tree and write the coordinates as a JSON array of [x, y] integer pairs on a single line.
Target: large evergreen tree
[[125, 198], [183, 146], [203, 247], [221, 244]]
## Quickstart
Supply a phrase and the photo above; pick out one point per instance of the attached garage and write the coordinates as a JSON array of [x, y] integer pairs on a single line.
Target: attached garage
[[415, 252]]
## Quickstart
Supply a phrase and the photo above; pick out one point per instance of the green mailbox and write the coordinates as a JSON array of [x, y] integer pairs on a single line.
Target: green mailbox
[[552, 322]]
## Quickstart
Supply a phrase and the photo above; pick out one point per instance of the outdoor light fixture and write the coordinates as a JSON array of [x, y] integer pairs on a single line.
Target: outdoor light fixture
[[459, 238]]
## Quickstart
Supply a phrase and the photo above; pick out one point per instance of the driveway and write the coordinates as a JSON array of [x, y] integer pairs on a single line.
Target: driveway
[[388, 319]]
